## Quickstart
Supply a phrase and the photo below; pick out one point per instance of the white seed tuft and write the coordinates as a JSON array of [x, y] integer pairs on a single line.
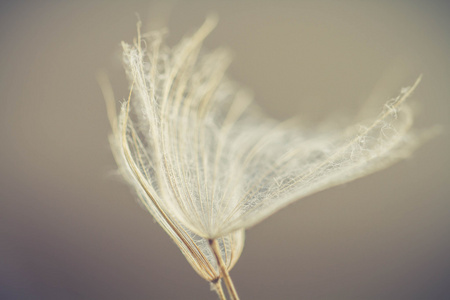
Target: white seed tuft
[[208, 163]]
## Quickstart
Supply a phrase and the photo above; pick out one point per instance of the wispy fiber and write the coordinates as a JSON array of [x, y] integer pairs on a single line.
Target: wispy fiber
[[208, 163]]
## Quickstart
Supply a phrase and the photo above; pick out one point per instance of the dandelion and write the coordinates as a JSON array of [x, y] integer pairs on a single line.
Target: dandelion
[[207, 163]]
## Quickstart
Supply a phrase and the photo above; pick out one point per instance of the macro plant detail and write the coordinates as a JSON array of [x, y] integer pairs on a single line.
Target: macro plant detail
[[207, 163]]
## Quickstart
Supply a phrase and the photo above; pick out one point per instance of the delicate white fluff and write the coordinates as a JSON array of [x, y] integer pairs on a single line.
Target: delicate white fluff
[[208, 163]]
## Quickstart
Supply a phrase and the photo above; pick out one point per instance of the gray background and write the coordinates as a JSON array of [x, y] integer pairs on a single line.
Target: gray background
[[70, 230]]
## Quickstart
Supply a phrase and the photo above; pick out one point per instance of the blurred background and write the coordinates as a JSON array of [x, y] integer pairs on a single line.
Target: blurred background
[[69, 229]]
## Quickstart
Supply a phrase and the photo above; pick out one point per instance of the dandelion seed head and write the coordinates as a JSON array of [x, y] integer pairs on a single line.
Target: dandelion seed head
[[208, 163]]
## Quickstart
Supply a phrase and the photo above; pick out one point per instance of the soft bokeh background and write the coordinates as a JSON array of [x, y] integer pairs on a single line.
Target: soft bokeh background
[[70, 230]]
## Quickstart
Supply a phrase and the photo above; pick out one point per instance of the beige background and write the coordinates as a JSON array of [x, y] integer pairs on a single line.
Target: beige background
[[70, 230]]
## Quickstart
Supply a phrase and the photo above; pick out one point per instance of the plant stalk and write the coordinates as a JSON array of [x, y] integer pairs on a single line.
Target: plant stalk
[[219, 290], [223, 269]]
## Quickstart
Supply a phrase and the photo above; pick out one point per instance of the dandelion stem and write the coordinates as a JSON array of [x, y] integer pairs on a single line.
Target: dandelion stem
[[219, 290], [223, 269]]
